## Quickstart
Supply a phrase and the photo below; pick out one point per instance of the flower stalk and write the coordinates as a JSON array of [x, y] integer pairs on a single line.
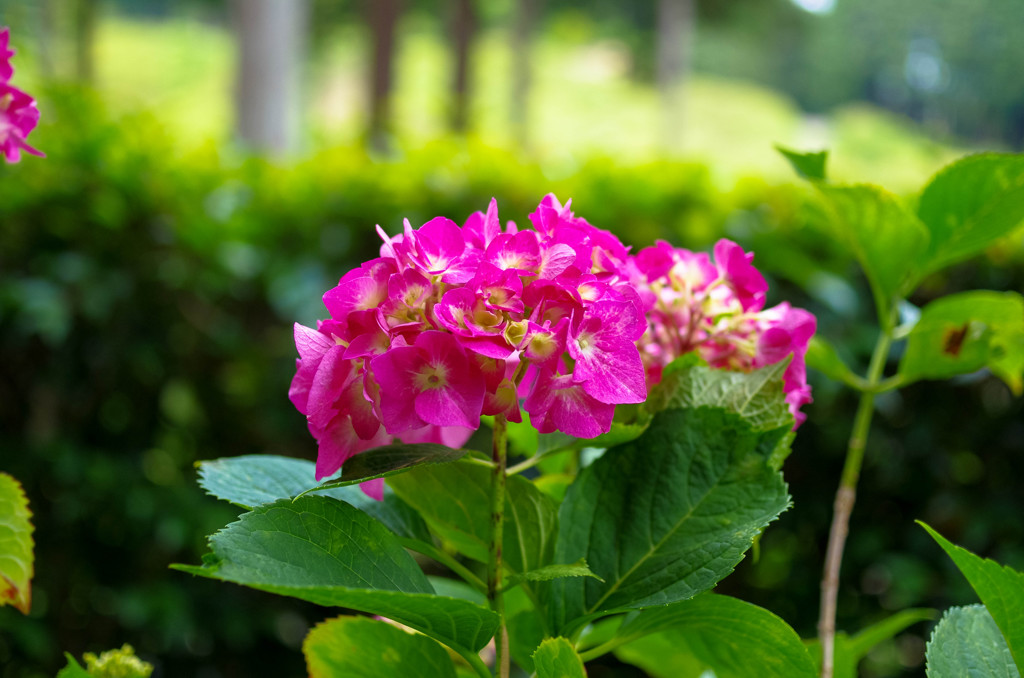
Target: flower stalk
[[846, 496], [494, 565]]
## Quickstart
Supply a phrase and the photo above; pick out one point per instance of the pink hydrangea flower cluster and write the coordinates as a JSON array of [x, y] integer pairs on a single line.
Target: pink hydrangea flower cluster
[[451, 323], [716, 310], [18, 112]]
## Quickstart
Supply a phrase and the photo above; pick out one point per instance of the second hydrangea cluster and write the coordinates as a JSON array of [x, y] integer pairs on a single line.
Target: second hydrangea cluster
[[716, 310], [18, 112], [450, 323]]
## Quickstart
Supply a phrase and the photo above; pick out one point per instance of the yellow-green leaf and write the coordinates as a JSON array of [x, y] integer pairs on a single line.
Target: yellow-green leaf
[[358, 647], [16, 557], [556, 658]]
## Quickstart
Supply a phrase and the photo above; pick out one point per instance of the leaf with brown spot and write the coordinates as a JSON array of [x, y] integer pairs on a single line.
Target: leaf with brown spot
[[954, 340]]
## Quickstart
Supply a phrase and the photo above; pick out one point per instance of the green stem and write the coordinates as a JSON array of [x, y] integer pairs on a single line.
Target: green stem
[[470, 459], [601, 650], [445, 559], [477, 664], [846, 495], [494, 564], [534, 460]]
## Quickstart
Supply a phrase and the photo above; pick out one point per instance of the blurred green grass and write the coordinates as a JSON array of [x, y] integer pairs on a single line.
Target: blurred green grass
[[584, 102]]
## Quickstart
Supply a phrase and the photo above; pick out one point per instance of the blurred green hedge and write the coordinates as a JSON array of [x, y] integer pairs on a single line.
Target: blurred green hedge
[[146, 304]]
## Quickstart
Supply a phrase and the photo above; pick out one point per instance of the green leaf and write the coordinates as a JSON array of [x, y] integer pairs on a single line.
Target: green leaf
[[887, 239], [357, 647], [756, 396], [456, 588], [389, 460], [454, 499], [849, 651], [620, 432], [822, 356], [666, 516], [549, 572], [256, 479], [16, 556], [1000, 588], [327, 552], [556, 658], [965, 332], [970, 204], [808, 165], [73, 669], [733, 638], [967, 644]]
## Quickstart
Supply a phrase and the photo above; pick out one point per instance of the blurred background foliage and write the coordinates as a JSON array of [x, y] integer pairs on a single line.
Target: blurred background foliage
[[152, 266]]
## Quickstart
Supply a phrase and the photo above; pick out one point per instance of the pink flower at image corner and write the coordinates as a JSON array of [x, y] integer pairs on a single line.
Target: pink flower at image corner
[[717, 311], [18, 112], [6, 71], [452, 322]]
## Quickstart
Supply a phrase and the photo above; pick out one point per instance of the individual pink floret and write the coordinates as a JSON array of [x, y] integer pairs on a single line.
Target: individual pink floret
[[607, 360], [6, 70], [557, 403], [18, 117], [736, 268], [428, 383]]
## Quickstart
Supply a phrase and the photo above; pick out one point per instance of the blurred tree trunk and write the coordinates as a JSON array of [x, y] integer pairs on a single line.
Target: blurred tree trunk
[[47, 39], [463, 29], [383, 18], [86, 20], [676, 24], [271, 39], [527, 12]]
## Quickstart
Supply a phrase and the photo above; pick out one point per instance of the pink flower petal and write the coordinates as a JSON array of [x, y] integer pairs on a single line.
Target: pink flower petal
[[734, 265], [557, 404]]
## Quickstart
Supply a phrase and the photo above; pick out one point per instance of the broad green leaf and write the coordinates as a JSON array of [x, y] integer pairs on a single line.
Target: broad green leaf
[[965, 332], [73, 669], [549, 572], [389, 460], [756, 396], [327, 552], [887, 239], [16, 556], [357, 647], [620, 432], [967, 644], [556, 658], [733, 638], [454, 499], [850, 650], [665, 517], [970, 204], [256, 479], [1000, 588], [807, 165]]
